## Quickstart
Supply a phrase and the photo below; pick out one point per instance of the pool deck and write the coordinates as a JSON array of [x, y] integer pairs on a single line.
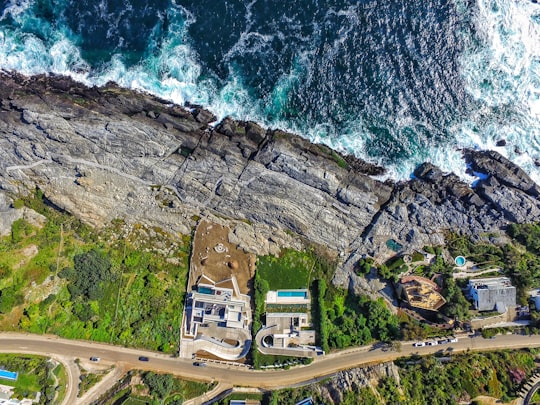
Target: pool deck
[[273, 297]]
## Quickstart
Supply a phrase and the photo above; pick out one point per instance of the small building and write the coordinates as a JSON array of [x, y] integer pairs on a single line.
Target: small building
[[495, 293]]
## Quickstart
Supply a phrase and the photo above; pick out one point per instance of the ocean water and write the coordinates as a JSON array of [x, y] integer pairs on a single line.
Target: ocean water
[[395, 83]]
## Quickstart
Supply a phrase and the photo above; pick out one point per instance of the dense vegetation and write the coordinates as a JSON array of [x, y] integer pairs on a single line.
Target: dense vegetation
[[431, 380], [352, 320], [519, 260], [112, 285], [154, 389], [36, 374]]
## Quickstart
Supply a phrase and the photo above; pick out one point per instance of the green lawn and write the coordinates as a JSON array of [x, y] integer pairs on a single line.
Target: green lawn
[[26, 382], [290, 270]]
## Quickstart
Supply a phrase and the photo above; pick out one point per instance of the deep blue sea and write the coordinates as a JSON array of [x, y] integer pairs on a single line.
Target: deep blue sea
[[395, 82]]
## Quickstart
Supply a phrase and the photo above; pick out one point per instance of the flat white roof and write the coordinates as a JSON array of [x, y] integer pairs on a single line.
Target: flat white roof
[[491, 283]]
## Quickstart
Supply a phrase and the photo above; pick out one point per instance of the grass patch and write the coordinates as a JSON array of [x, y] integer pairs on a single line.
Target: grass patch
[[290, 270], [62, 378], [240, 396], [135, 401], [273, 308]]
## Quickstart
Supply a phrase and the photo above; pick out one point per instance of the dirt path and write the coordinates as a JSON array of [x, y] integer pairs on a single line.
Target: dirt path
[[103, 386]]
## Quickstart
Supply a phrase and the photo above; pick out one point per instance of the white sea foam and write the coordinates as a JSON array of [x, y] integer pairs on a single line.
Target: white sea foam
[[502, 74]]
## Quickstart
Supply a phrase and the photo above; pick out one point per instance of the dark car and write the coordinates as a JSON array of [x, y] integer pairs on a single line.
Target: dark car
[[143, 358], [94, 358], [199, 364]]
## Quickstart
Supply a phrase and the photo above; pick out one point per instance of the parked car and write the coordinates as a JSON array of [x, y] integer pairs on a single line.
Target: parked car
[[432, 343], [96, 359], [453, 340], [419, 344], [143, 358], [199, 364], [443, 341]]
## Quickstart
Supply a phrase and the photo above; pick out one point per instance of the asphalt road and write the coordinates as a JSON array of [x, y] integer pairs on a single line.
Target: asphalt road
[[323, 366]]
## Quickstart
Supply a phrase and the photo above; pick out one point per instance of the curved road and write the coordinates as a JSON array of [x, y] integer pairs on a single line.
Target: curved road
[[323, 366]]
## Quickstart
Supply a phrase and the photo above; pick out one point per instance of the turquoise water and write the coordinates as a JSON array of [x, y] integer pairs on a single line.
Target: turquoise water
[[301, 294], [395, 82], [8, 375], [205, 290], [460, 260]]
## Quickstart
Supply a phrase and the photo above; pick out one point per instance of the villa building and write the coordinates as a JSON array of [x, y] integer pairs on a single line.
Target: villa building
[[218, 320], [287, 331], [489, 294]]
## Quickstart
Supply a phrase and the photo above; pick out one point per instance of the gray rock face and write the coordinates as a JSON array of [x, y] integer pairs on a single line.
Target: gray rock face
[[111, 153], [337, 387]]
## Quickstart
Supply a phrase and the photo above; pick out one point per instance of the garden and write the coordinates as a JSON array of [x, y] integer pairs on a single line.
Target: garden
[[36, 374]]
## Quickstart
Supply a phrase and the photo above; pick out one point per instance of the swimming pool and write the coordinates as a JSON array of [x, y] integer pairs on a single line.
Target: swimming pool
[[205, 290], [460, 261], [302, 294], [8, 375]]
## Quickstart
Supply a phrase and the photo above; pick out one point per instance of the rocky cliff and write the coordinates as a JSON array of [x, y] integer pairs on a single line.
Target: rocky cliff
[[107, 153], [336, 388]]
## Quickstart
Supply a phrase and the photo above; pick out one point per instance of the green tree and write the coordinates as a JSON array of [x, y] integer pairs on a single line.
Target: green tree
[[456, 303], [10, 297], [159, 384], [91, 271]]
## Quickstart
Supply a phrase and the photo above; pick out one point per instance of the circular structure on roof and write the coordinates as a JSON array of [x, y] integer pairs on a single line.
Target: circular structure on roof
[[460, 261]]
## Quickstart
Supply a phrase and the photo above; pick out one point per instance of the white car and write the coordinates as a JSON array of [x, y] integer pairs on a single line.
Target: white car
[[419, 344], [453, 340], [432, 343]]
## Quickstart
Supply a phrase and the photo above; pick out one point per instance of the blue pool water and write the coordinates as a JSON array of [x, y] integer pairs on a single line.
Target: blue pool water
[[8, 375], [460, 261], [292, 294], [205, 290]]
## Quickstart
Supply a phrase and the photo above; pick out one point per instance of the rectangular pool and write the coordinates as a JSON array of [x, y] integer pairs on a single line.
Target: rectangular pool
[[205, 290], [8, 375], [299, 294]]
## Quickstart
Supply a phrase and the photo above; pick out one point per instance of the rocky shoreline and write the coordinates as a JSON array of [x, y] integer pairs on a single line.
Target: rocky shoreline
[[108, 153]]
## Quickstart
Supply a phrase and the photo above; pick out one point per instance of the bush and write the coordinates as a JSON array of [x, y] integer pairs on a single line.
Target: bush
[[364, 266], [10, 297]]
